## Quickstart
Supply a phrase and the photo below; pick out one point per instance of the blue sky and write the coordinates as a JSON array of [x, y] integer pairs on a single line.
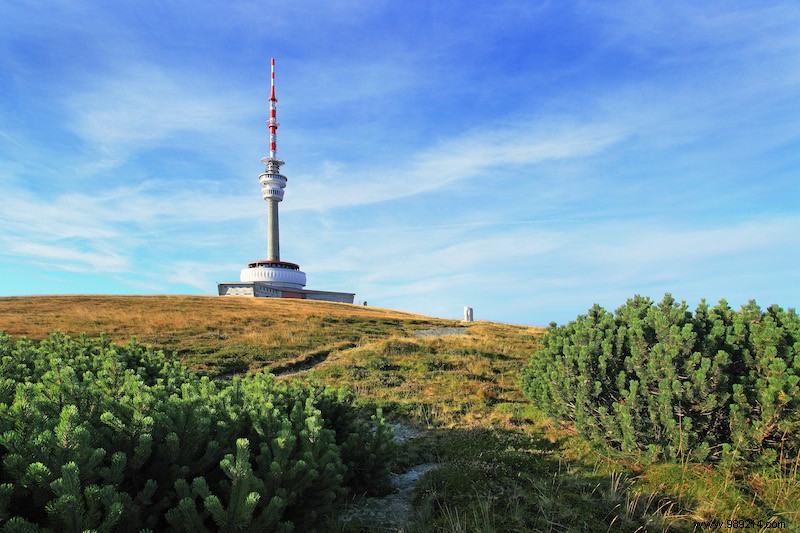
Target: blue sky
[[525, 158]]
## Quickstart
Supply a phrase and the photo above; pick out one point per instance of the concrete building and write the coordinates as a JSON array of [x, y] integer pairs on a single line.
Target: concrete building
[[273, 278]]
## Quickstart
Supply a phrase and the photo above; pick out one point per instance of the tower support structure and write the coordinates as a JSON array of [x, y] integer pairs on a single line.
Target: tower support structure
[[272, 277], [273, 271]]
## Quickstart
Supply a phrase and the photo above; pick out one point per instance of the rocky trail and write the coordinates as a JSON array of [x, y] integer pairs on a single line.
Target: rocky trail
[[394, 512]]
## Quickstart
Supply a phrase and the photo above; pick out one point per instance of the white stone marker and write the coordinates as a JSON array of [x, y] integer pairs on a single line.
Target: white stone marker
[[467, 314]]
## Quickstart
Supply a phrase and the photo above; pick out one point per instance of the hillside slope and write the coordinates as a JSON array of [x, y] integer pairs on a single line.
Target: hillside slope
[[387, 355], [212, 334]]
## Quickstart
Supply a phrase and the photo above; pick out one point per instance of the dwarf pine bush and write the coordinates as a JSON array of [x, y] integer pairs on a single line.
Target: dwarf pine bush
[[120, 438], [659, 381]]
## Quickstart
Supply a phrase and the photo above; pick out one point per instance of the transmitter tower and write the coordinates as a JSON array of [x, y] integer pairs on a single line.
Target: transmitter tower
[[272, 277], [272, 270]]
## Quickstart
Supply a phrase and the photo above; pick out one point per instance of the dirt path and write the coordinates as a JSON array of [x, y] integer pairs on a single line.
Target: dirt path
[[394, 511]]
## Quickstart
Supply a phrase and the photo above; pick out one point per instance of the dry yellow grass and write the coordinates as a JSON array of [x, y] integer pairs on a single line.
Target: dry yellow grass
[[235, 335], [210, 333], [36, 316], [449, 381]]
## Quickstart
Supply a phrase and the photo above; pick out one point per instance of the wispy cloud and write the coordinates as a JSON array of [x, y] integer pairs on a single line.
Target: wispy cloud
[[140, 106], [465, 158], [649, 246], [67, 257], [666, 32], [11, 139], [197, 274], [104, 231], [527, 268]]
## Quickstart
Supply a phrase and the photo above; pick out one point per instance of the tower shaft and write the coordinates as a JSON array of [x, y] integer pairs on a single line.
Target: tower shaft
[[273, 234]]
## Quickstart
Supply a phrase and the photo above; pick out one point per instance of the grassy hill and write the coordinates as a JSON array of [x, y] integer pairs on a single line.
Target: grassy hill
[[210, 334], [454, 391], [378, 351]]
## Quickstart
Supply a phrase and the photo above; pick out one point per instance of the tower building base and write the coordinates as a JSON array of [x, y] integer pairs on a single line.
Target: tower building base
[[260, 289], [271, 277], [277, 279]]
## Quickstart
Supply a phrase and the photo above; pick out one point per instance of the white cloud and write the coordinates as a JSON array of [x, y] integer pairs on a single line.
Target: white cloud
[[105, 231], [66, 257], [198, 274], [685, 31], [473, 156], [648, 247], [140, 105], [527, 270]]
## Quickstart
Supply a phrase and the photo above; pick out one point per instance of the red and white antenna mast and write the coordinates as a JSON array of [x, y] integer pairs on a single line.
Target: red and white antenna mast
[[273, 116]]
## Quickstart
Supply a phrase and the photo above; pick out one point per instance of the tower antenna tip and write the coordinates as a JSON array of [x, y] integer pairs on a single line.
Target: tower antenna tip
[[272, 80]]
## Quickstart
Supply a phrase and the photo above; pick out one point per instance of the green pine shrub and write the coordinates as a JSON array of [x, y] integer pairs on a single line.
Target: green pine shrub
[[660, 382], [100, 437]]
